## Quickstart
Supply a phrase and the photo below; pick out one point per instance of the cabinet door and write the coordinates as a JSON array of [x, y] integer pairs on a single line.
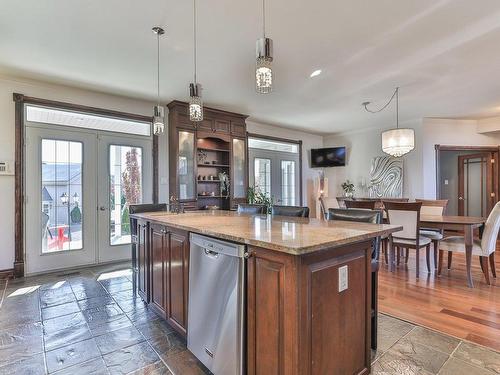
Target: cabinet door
[[221, 126], [239, 164], [207, 124], [238, 128], [186, 165], [177, 293], [142, 261], [159, 259]]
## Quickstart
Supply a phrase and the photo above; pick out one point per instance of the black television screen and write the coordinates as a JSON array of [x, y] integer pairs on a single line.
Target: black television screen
[[328, 157]]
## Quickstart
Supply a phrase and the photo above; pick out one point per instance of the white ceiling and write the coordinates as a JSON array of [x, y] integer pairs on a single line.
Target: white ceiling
[[442, 53]]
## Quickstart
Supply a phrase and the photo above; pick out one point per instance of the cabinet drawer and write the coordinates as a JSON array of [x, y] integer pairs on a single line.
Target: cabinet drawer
[[238, 128]]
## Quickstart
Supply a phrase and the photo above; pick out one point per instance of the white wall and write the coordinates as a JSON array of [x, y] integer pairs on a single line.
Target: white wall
[[448, 132], [308, 141], [8, 86], [419, 165], [361, 147]]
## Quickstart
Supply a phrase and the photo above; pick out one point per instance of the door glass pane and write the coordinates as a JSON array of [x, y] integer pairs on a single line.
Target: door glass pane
[[239, 154], [186, 165], [61, 195], [125, 173], [262, 168], [288, 183]]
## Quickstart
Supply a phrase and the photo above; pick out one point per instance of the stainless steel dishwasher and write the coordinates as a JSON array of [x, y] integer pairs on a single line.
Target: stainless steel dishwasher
[[216, 311]]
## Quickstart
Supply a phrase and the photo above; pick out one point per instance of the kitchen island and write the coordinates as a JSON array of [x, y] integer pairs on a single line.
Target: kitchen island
[[299, 318]]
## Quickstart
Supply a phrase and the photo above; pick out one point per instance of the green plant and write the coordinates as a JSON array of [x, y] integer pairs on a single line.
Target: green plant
[[255, 196], [348, 187]]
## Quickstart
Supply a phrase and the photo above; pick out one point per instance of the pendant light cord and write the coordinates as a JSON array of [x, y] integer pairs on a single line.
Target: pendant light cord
[[158, 68], [264, 18], [194, 39], [394, 95]]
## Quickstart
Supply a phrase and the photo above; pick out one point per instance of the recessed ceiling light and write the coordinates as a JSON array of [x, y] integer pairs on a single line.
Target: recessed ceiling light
[[315, 73]]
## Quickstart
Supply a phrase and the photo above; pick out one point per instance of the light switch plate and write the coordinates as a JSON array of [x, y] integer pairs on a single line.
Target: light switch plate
[[343, 278]]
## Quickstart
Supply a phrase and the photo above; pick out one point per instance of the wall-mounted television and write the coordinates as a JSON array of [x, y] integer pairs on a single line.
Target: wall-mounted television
[[328, 157]]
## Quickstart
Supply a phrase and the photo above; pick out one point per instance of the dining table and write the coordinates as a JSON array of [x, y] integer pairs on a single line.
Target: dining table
[[467, 224]]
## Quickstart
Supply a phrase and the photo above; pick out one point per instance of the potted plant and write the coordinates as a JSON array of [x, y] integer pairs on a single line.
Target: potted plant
[[255, 196], [348, 188]]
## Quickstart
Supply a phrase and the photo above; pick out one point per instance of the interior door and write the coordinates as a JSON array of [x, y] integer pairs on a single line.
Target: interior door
[[60, 199], [125, 177], [476, 184]]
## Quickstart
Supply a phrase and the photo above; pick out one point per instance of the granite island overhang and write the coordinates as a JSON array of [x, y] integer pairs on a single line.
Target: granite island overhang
[[298, 319]]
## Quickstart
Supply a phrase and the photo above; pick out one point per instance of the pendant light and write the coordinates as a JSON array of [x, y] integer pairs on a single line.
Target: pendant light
[[397, 141], [195, 102], [263, 66], [159, 111]]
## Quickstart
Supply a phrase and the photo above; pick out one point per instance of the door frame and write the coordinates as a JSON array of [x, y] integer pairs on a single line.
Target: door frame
[[20, 101], [479, 149], [284, 140]]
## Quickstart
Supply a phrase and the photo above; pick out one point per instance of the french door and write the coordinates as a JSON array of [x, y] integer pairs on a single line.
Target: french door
[[276, 174], [79, 184]]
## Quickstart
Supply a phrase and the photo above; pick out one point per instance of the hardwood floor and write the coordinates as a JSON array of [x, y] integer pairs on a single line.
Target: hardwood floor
[[444, 303]]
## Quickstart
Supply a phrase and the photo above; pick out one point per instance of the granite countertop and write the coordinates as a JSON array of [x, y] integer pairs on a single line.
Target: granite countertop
[[295, 236]]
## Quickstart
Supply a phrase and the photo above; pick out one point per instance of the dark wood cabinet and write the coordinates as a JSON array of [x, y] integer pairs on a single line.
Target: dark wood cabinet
[[178, 271], [200, 151], [159, 264], [284, 289], [142, 247]]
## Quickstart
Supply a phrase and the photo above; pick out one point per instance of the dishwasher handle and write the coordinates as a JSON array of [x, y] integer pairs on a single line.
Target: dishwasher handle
[[211, 253]]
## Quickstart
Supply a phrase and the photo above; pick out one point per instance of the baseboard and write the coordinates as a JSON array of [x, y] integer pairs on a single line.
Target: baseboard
[[7, 274]]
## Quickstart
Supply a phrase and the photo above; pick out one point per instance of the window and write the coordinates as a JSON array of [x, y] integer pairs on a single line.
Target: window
[[262, 168], [265, 144], [125, 178], [288, 183], [61, 182], [87, 121]]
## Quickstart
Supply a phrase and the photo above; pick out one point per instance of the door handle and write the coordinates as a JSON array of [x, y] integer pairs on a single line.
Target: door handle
[[102, 208]]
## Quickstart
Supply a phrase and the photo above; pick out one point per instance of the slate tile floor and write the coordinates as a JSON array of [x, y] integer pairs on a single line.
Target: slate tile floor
[[88, 322]]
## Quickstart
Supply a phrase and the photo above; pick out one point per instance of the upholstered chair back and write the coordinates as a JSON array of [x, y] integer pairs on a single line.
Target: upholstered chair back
[[435, 207], [407, 215], [490, 234]]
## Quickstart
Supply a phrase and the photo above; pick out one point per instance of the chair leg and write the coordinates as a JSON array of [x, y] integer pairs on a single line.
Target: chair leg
[[398, 255], [492, 265], [427, 257], [481, 263], [440, 262], [436, 248], [418, 262], [407, 255], [450, 256], [385, 246], [484, 267]]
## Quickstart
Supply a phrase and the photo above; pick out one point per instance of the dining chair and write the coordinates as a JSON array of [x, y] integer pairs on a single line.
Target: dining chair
[[296, 211], [365, 216], [433, 207], [365, 204], [253, 209], [136, 209], [484, 247], [408, 216]]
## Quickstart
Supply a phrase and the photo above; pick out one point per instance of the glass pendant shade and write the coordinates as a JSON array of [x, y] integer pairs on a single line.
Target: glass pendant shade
[[263, 67], [195, 103], [398, 142], [158, 120]]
